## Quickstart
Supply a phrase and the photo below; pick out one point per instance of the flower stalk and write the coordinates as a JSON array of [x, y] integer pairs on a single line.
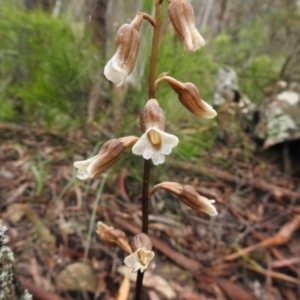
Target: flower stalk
[[155, 143], [147, 162]]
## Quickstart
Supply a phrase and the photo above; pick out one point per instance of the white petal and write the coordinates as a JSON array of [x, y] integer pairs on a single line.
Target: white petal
[[131, 260], [207, 203], [188, 42], [165, 149], [113, 72], [167, 138], [209, 111], [142, 144], [137, 266], [83, 176], [168, 142], [143, 268], [148, 153], [212, 211], [82, 164], [82, 167], [192, 38], [158, 158], [198, 40]]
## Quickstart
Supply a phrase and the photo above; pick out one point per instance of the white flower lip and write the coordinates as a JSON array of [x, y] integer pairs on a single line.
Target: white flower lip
[[114, 71], [85, 168], [209, 208], [145, 148], [108, 154], [208, 111], [123, 61], [193, 40], [139, 260], [182, 16]]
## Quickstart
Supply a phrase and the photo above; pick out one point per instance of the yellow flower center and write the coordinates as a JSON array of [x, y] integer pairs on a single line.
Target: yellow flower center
[[154, 138], [142, 257]]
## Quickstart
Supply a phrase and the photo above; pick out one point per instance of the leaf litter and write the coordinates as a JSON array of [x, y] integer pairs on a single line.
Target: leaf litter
[[250, 251]]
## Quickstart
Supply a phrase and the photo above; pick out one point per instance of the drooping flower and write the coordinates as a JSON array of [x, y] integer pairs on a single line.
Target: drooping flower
[[182, 16], [142, 254], [109, 153], [127, 44], [188, 195], [112, 235], [155, 143], [189, 96]]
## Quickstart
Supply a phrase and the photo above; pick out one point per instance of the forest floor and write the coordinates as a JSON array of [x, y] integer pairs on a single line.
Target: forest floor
[[251, 250]]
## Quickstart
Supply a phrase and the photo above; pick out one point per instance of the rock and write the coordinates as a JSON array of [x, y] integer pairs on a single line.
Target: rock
[[10, 287], [228, 96], [279, 118], [279, 125]]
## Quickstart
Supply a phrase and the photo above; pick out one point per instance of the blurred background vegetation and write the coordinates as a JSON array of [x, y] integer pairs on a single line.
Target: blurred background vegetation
[[52, 55]]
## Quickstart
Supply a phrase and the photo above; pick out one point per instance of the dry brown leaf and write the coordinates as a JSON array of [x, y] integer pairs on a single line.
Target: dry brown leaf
[[37, 292], [77, 276], [185, 293], [282, 237], [151, 281], [16, 193], [234, 291], [124, 288], [101, 285], [15, 212]]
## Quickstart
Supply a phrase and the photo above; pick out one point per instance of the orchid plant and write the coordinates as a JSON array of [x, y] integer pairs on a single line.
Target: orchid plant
[[154, 144]]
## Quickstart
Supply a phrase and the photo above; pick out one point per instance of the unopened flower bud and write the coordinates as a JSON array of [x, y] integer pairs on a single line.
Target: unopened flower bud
[[111, 235], [109, 153], [188, 195], [127, 44], [142, 254], [182, 16], [189, 96], [152, 116]]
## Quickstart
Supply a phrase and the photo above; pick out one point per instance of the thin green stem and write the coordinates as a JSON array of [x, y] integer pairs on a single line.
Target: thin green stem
[[147, 163], [93, 216]]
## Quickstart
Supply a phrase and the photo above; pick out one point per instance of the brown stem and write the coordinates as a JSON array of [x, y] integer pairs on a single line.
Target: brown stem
[[139, 285], [160, 78], [145, 196], [154, 51], [147, 163], [148, 18]]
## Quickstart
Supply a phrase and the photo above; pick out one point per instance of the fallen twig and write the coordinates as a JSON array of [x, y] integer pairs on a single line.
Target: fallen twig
[[283, 236]]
